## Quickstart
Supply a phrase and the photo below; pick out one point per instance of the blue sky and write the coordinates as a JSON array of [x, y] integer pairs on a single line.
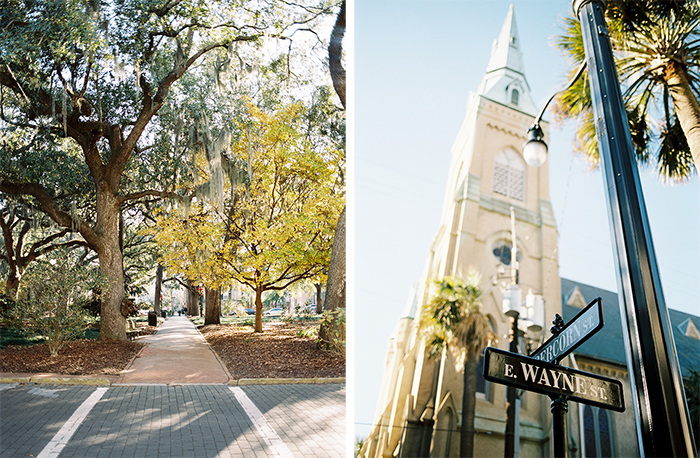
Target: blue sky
[[415, 63]]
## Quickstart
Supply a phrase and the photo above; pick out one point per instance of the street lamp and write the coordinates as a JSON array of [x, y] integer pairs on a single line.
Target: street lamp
[[531, 310], [535, 149], [661, 413]]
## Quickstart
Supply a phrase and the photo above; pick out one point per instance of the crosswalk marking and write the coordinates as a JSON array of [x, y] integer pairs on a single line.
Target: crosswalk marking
[[269, 435], [53, 448]]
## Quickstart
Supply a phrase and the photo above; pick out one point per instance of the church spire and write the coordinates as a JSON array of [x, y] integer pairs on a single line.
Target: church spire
[[506, 50], [504, 81]]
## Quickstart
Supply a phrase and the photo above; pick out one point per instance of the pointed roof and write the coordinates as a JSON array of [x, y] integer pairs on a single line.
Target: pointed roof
[[506, 50], [505, 73]]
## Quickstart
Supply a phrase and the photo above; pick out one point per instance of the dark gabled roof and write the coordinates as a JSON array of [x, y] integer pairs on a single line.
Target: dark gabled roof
[[608, 344], [688, 348]]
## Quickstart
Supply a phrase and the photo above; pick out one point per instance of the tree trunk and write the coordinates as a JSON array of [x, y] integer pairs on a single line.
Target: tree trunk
[[335, 54], [258, 310], [466, 433], [319, 298], [12, 284], [333, 331], [212, 312], [192, 300], [112, 322], [159, 287], [685, 106]]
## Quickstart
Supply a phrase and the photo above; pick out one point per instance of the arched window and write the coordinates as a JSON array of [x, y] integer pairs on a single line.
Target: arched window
[[503, 251], [509, 175], [515, 97], [597, 433]]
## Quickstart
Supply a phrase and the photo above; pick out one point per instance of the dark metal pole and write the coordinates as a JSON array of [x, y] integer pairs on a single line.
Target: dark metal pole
[[663, 424], [560, 433], [511, 396]]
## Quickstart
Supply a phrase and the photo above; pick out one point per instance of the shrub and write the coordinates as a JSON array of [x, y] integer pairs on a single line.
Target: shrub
[[331, 334], [52, 298]]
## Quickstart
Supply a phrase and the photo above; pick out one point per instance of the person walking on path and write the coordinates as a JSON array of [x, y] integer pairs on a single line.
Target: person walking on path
[[177, 354]]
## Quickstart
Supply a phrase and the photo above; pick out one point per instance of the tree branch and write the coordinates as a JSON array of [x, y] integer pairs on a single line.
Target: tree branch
[[50, 207]]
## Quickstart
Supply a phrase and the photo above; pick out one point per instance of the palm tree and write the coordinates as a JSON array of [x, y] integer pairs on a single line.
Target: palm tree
[[453, 320], [657, 50]]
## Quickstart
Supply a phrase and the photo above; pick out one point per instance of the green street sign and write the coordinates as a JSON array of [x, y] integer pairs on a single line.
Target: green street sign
[[531, 374], [577, 331]]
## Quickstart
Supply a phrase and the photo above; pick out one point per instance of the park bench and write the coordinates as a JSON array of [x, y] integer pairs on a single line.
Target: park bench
[[132, 330]]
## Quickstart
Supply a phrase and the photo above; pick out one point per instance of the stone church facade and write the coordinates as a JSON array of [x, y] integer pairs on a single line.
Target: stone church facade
[[419, 408]]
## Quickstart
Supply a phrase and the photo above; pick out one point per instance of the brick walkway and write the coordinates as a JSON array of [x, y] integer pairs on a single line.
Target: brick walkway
[[174, 421], [176, 354]]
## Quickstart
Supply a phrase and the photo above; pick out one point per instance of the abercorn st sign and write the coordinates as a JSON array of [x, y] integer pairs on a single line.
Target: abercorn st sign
[[531, 374], [577, 331]]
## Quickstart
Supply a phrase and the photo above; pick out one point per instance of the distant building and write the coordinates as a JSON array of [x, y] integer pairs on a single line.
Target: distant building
[[419, 408]]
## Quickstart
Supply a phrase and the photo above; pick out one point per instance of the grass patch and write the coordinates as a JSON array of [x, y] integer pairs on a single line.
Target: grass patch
[[23, 338], [10, 336], [249, 320]]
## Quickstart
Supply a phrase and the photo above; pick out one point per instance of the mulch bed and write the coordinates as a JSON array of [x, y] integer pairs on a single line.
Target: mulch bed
[[280, 351], [79, 357]]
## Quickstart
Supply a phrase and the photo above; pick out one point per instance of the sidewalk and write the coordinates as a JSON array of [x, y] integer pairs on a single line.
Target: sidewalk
[[177, 354]]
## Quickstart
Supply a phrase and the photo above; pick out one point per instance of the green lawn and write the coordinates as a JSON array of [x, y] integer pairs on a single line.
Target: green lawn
[[9, 336], [249, 320]]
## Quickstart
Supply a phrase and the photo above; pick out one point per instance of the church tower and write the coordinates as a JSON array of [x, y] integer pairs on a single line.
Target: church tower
[[489, 188]]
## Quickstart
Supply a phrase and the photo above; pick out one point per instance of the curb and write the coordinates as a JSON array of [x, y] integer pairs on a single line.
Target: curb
[[58, 381], [133, 358], [216, 355], [285, 381], [107, 382]]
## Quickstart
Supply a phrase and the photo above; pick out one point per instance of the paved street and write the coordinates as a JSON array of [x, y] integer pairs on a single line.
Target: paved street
[[174, 400], [172, 421]]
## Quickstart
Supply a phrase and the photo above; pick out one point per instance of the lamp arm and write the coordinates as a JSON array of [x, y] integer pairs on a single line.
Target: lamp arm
[[571, 83]]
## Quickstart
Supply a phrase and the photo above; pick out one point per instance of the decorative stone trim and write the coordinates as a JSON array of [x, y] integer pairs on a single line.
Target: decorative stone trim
[[504, 130], [500, 206]]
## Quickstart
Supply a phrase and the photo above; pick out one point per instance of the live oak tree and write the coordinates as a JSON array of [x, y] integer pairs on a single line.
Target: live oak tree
[[83, 83], [657, 53]]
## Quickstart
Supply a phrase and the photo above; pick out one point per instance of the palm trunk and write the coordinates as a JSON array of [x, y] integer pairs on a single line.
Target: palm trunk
[[212, 312], [466, 434], [685, 106]]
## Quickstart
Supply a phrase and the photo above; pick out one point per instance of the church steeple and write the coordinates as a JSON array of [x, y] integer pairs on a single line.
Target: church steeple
[[506, 49], [504, 81]]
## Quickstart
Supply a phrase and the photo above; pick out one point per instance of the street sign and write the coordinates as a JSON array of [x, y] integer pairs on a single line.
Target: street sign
[[577, 331], [531, 374]]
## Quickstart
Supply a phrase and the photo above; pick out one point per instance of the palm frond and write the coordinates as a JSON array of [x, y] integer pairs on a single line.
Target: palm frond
[[647, 36]]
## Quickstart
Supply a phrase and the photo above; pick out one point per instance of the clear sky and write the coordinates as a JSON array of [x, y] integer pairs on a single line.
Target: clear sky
[[415, 64]]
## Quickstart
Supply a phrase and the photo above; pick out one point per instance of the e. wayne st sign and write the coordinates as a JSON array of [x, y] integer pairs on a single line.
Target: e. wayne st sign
[[541, 373], [553, 380]]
